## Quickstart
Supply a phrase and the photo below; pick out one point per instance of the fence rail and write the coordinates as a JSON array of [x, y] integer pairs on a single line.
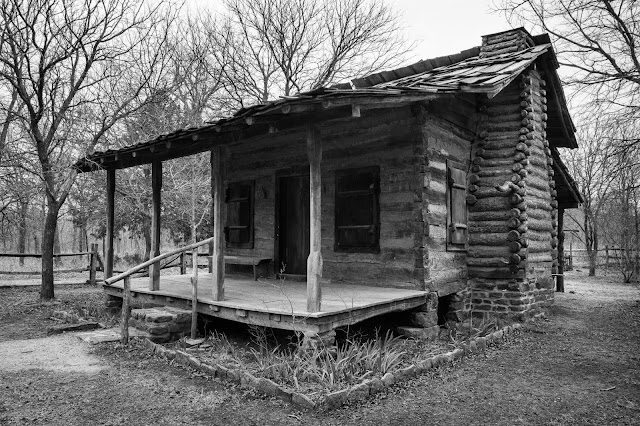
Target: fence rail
[[94, 260], [607, 256]]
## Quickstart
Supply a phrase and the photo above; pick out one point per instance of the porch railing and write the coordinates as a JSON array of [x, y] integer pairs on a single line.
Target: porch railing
[[126, 277]]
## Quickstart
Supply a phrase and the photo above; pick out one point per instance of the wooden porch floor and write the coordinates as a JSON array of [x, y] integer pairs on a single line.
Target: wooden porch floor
[[275, 303]]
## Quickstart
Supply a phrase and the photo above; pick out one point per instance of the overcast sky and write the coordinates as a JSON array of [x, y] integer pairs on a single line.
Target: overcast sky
[[440, 27], [443, 27]]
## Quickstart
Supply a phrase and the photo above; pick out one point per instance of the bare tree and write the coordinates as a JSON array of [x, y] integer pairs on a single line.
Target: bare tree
[[78, 67], [592, 167], [598, 40], [281, 47]]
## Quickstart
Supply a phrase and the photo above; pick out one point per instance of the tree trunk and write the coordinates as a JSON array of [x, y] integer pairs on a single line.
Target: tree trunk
[[146, 233], [22, 233], [56, 246], [48, 238]]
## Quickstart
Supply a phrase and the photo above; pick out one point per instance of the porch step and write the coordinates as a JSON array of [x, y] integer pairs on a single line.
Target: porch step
[[164, 324]]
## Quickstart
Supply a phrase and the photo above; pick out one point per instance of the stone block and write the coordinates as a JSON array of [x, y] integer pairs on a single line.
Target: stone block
[[195, 363], [158, 316], [158, 328], [336, 399], [425, 365], [181, 315], [424, 319], [498, 335], [407, 372], [160, 338], [235, 375], [388, 379], [302, 401], [139, 313], [359, 392], [248, 380], [182, 358], [458, 353], [439, 360], [209, 370], [158, 350], [481, 343], [375, 385]]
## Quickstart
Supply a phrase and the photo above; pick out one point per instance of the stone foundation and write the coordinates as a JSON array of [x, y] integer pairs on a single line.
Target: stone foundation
[[525, 300], [424, 320], [113, 304], [163, 324]]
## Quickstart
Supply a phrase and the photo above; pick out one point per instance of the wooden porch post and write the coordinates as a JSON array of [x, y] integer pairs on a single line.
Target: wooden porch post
[[560, 277], [314, 262], [156, 186], [111, 190], [217, 194]]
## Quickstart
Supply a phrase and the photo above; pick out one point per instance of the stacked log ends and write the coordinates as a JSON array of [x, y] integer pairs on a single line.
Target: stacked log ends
[[516, 132], [498, 173]]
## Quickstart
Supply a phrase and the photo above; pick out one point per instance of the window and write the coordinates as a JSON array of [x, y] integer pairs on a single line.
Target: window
[[239, 229], [357, 214], [457, 234]]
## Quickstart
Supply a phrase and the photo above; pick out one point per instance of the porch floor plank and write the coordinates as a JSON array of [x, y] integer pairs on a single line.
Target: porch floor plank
[[286, 298]]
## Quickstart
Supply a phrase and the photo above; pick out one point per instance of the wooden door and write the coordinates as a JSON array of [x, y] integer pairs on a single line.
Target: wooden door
[[293, 224]]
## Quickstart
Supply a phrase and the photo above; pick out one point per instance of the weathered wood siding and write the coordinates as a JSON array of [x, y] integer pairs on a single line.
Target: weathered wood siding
[[380, 137], [443, 140]]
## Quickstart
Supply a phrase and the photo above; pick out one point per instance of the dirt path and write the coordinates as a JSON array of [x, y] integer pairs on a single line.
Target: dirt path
[[580, 367], [60, 353]]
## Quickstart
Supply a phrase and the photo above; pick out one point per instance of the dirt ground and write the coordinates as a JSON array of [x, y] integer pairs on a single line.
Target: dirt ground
[[579, 367]]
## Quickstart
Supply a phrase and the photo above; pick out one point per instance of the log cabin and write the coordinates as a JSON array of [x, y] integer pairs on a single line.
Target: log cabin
[[435, 189]]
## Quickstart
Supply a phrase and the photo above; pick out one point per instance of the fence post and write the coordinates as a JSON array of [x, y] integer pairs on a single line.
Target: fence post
[[183, 263], [93, 260], [571, 255], [124, 327], [194, 296]]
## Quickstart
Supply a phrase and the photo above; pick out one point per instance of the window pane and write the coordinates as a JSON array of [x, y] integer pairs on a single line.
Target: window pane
[[356, 210], [357, 223]]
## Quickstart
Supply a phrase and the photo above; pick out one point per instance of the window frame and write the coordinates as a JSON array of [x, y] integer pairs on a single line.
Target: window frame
[[251, 228], [338, 245]]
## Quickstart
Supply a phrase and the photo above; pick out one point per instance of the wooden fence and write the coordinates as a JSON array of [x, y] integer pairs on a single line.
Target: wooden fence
[[605, 257], [96, 264], [94, 261]]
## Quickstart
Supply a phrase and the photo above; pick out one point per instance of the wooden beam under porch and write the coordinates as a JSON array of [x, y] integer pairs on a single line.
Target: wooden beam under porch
[[275, 303]]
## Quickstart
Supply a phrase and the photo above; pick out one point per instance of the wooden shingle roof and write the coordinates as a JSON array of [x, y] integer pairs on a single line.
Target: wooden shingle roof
[[474, 75]]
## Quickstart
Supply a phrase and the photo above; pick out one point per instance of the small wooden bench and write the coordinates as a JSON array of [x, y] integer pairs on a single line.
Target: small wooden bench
[[247, 260]]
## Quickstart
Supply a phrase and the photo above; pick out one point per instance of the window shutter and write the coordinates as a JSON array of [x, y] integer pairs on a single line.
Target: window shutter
[[357, 210], [239, 229], [457, 206]]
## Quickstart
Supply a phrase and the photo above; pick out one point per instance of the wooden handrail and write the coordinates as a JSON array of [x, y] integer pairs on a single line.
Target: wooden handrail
[[137, 268]]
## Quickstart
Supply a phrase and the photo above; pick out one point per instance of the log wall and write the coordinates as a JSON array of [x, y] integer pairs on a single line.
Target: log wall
[[512, 205], [445, 270], [381, 137]]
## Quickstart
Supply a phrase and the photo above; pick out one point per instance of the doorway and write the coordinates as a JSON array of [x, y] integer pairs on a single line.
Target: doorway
[[292, 225]]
